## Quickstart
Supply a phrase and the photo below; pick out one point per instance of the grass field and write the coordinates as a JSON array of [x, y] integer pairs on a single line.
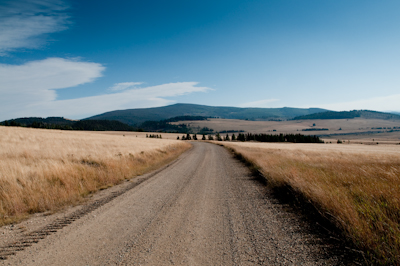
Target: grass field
[[355, 186], [44, 170], [171, 136]]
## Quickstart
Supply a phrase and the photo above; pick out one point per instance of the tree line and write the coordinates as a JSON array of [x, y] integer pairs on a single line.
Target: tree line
[[295, 138], [93, 125]]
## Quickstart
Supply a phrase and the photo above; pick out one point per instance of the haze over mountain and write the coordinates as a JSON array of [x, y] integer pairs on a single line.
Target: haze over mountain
[[140, 115], [367, 114]]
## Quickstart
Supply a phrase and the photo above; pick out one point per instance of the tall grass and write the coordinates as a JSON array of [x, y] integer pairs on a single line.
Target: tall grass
[[44, 170], [360, 190]]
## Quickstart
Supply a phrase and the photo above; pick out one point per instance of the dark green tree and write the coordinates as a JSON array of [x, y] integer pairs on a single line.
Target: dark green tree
[[226, 137], [241, 137]]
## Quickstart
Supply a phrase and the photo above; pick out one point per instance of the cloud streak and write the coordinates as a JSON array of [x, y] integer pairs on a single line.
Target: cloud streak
[[124, 85], [30, 90], [152, 96], [23, 22], [34, 83]]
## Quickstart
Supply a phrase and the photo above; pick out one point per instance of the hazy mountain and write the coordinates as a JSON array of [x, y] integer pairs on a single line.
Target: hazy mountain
[[368, 114], [138, 116]]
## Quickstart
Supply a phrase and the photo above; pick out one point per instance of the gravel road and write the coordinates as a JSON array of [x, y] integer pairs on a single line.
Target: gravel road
[[204, 209]]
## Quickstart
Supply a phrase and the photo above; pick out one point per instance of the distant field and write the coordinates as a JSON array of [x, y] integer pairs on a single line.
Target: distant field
[[370, 130], [170, 136], [355, 186], [43, 170], [358, 130]]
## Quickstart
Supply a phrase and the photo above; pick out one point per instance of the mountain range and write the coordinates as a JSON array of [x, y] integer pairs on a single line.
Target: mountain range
[[137, 116], [367, 114], [159, 118]]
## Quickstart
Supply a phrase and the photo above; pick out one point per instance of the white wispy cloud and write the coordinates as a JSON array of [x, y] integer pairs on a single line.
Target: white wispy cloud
[[30, 90], [152, 96], [23, 23], [260, 103], [124, 85], [34, 83], [382, 103]]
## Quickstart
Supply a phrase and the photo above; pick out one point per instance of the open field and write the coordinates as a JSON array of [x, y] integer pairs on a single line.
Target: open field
[[347, 129], [44, 170], [357, 131], [170, 136], [355, 186]]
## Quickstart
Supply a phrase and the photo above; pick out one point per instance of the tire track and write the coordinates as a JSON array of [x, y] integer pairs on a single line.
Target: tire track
[[31, 238]]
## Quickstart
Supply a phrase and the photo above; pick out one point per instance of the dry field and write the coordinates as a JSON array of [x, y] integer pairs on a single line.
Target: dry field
[[171, 136], [357, 186], [44, 170], [353, 129]]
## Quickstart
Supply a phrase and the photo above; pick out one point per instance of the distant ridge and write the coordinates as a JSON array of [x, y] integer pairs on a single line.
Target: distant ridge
[[368, 114], [49, 120], [137, 116], [67, 124]]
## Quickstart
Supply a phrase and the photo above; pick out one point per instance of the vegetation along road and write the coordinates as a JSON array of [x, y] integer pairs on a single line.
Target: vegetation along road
[[206, 208]]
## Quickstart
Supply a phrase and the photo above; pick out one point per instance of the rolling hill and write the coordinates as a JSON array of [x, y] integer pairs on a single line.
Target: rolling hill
[[49, 120], [67, 124], [138, 116], [368, 114]]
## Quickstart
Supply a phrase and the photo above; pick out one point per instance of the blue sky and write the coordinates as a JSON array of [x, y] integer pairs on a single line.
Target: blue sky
[[80, 58]]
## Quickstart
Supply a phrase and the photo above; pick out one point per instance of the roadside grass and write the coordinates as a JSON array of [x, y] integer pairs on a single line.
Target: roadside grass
[[359, 192], [45, 170]]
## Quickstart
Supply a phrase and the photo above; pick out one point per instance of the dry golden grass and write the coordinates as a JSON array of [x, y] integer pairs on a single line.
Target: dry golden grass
[[44, 170], [357, 185]]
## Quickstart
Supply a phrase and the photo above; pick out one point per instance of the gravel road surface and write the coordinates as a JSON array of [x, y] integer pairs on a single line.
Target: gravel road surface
[[204, 209]]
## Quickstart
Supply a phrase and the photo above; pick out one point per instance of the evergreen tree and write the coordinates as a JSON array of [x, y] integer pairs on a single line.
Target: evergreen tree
[[204, 137], [241, 137], [233, 137]]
